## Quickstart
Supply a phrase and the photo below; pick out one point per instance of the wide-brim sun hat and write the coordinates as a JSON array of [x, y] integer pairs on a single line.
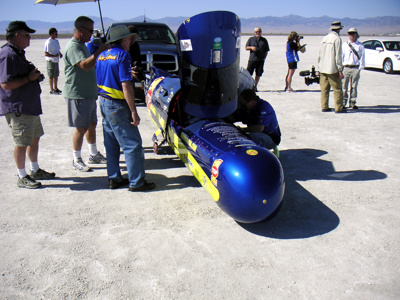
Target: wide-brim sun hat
[[353, 30], [118, 32], [336, 25]]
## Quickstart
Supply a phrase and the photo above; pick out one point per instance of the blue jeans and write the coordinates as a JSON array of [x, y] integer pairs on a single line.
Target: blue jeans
[[263, 139], [120, 133]]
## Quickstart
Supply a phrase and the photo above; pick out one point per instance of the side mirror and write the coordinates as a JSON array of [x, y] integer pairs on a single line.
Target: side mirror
[[380, 49]]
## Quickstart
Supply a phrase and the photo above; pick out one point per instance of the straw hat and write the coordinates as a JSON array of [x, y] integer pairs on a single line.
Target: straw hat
[[336, 25], [118, 33], [353, 30]]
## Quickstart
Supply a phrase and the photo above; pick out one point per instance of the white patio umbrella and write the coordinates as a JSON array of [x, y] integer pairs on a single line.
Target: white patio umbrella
[[57, 2]]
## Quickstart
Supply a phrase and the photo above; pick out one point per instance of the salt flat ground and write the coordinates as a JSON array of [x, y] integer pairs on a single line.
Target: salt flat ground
[[335, 237]]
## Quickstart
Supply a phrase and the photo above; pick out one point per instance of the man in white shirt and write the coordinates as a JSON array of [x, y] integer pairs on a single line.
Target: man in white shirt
[[353, 56], [52, 54], [330, 68]]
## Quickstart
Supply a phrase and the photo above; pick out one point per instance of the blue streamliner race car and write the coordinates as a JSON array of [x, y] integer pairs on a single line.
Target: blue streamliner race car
[[244, 179]]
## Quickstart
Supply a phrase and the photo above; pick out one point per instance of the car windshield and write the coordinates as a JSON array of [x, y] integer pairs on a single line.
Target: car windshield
[[392, 45], [158, 34], [212, 86]]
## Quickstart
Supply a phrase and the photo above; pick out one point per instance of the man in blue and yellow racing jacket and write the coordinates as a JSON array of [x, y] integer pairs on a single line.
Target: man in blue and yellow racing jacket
[[120, 117]]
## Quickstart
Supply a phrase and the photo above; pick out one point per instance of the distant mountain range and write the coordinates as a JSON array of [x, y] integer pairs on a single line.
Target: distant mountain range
[[273, 25]]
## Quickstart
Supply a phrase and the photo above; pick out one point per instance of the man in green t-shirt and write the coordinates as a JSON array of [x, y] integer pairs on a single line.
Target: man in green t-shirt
[[80, 92]]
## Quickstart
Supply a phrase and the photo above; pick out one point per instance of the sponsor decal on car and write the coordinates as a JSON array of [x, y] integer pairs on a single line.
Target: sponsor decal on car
[[252, 152], [215, 171]]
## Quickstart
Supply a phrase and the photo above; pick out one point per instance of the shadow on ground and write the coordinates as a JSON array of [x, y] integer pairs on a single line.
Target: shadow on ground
[[379, 109], [301, 214], [163, 183], [394, 73], [296, 91]]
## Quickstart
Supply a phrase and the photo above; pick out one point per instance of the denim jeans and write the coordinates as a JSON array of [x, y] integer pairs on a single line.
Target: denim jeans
[[120, 133], [263, 139]]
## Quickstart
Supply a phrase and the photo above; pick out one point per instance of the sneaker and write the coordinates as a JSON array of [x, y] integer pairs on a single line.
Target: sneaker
[[326, 109], [80, 166], [28, 182], [354, 107], [57, 91], [97, 159], [53, 92], [145, 187], [42, 174]]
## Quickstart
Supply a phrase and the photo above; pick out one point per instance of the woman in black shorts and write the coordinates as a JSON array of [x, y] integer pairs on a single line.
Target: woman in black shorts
[[292, 47]]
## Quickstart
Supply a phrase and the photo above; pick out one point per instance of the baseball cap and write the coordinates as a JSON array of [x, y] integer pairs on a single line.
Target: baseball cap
[[19, 25]]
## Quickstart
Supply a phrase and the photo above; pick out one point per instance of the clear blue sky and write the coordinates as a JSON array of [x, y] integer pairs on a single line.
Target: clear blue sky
[[156, 9]]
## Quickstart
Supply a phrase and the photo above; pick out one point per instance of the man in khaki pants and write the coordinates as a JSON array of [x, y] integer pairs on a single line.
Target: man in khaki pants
[[353, 62], [330, 68]]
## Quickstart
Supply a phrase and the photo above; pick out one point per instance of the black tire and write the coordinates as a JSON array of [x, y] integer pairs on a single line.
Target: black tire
[[388, 66]]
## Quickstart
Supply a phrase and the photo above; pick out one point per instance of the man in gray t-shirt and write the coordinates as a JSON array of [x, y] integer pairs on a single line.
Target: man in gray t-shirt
[[80, 92]]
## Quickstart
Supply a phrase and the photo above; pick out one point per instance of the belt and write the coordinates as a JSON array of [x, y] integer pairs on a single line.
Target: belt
[[110, 99], [351, 66]]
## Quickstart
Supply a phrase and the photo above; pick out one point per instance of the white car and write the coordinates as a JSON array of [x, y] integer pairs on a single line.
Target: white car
[[382, 54]]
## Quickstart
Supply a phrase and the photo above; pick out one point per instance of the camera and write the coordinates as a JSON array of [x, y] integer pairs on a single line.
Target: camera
[[32, 67], [312, 76], [98, 38], [302, 48], [139, 70]]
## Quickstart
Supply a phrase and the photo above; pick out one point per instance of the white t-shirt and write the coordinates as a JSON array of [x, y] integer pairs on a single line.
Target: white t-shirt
[[53, 47], [246, 81]]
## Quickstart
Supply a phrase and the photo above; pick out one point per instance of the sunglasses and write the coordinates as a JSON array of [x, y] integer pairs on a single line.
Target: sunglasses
[[88, 29], [28, 35]]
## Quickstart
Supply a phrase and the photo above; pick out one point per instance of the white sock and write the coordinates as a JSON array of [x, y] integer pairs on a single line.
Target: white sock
[[76, 154], [21, 173], [92, 149], [34, 166]]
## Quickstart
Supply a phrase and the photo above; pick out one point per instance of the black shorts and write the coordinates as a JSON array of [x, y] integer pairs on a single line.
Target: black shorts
[[292, 65], [257, 65]]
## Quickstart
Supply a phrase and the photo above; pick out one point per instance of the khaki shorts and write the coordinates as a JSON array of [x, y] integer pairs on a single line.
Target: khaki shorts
[[53, 71], [24, 128]]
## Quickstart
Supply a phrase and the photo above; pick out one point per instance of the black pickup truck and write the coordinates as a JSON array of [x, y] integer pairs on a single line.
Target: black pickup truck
[[157, 48]]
